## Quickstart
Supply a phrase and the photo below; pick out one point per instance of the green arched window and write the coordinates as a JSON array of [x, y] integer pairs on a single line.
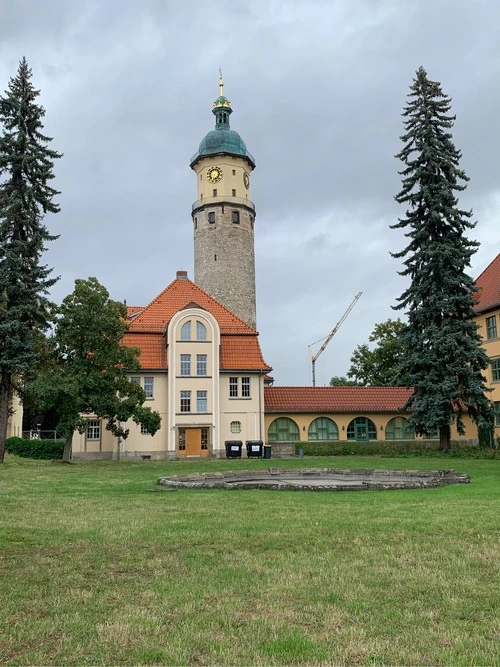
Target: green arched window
[[283, 429], [399, 428], [323, 428], [361, 428]]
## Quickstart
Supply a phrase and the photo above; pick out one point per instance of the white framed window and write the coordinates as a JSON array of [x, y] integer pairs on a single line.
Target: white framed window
[[201, 364], [135, 379], [185, 401], [245, 387], [93, 430], [233, 387], [491, 327], [201, 331], [148, 386], [497, 412], [201, 401], [186, 331], [235, 427], [185, 364]]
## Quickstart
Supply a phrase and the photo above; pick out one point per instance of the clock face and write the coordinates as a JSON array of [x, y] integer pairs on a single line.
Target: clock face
[[214, 174], [246, 180]]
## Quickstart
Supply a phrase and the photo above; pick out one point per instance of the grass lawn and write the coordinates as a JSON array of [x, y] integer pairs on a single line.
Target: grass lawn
[[97, 570]]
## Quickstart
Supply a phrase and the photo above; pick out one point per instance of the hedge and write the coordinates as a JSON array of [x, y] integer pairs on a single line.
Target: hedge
[[35, 449], [392, 448]]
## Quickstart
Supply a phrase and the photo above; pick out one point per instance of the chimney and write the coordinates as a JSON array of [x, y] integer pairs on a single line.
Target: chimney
[[182, 275]]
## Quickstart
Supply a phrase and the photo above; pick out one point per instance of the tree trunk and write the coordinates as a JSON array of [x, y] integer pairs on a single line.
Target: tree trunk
[[445, 438], [5, 397], [68, 448]]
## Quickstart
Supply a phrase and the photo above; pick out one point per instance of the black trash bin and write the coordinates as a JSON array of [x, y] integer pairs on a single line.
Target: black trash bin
[[267, 451], [254, 449], [233, 449]]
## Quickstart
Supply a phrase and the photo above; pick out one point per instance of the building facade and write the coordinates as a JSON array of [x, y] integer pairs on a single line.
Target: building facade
[[201, 368], [487, 311]]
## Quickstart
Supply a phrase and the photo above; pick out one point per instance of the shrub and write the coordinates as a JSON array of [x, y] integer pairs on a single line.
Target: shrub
[[392, 448], [35, 449]]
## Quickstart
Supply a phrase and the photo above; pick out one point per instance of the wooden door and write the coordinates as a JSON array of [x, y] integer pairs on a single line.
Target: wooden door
[[193, 442]]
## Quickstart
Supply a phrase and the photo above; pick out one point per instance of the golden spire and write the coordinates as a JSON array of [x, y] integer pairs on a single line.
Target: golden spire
[[221, 83], [222, 100]]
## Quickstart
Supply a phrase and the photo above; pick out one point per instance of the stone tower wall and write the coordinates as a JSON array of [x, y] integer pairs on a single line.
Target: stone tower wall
[[224, 258]]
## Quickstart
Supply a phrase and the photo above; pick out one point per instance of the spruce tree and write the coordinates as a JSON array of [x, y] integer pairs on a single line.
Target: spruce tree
[[443, 358], [26, 169]]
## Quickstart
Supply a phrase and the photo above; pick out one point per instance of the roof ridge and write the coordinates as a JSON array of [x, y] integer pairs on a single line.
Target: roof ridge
[[176, 286], [484, 270]]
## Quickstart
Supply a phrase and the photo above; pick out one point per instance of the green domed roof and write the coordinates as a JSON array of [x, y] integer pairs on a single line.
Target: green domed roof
[[222, 139]]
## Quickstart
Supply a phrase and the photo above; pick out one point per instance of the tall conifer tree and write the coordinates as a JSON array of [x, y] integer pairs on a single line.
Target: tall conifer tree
[[26, 169], [443, 358]]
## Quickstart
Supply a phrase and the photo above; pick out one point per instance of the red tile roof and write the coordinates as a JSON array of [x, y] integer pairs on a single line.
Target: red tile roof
[[488, 296], [132, 311], [335, 399], [153, 349], [241, 353], [178, 295], [240, 349]]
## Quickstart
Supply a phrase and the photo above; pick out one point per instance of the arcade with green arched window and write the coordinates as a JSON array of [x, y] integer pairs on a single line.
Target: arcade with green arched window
[[283, 429], [361, 428]]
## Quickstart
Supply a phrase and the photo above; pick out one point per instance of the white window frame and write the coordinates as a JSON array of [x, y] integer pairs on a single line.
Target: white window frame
[[186, 331], [93, 431], [185, 405], [202, 401], [201, 365], [201, 331], [185, 368], [245, 387], [233, 387], [149, 384]]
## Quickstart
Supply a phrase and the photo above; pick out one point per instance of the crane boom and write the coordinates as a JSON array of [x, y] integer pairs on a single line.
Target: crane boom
[[330, 336]]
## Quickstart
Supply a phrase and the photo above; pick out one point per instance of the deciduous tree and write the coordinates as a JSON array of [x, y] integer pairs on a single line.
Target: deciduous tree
[[87, 370], [379, 365], [442, 358]]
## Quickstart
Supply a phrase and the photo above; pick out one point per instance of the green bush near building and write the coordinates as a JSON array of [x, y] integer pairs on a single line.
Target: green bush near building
[[35, 449], [393, 448]]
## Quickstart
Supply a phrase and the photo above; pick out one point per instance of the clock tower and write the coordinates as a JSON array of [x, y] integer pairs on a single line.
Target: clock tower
[[224, 215]]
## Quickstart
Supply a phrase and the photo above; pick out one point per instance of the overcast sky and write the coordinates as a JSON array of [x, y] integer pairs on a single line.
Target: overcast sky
[[317, 89]]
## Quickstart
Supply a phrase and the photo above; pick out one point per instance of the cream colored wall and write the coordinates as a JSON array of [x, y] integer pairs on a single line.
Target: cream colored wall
[[343, 420], [178, 383], [248, 411], [228, 182], [15, 420], [136, 444]]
